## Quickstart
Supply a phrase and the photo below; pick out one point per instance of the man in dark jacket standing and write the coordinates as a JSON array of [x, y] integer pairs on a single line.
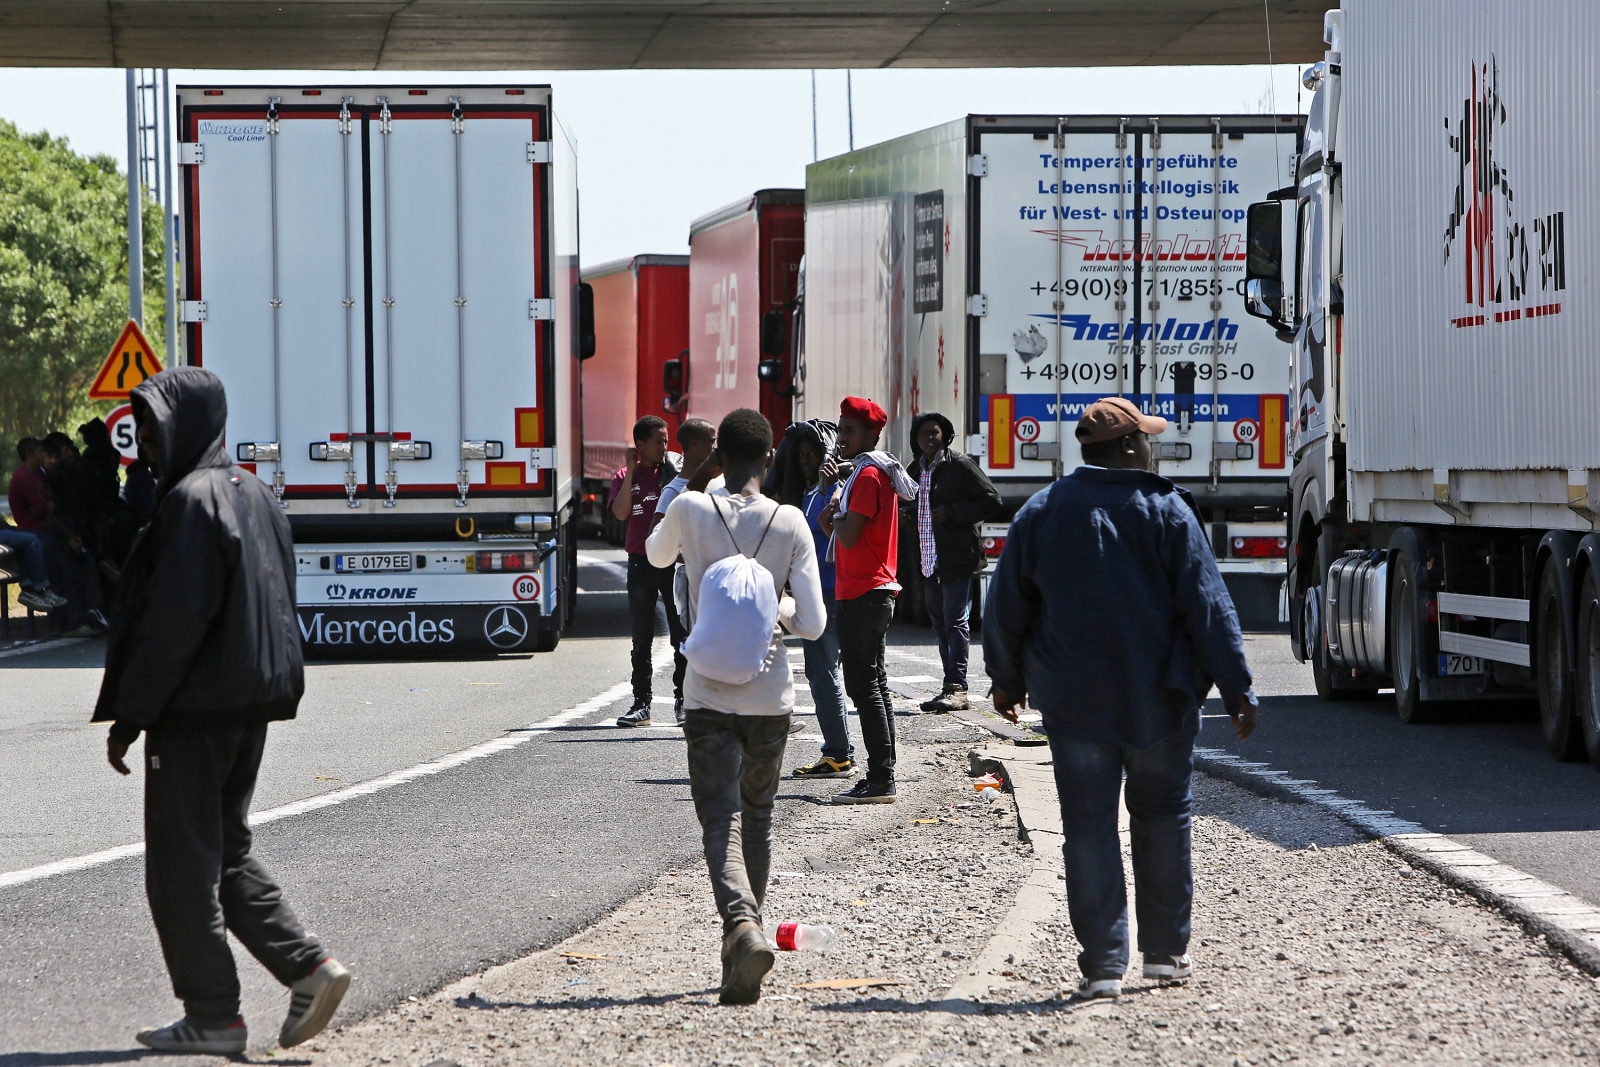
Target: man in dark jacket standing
[[953, 497], [1109, 611], [204, 652]]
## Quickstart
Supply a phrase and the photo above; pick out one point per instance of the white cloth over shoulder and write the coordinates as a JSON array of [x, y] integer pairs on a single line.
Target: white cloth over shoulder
[[899, 480]]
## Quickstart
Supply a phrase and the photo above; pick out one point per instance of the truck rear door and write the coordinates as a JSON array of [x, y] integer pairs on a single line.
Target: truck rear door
[[368, 272], [1110, 266]]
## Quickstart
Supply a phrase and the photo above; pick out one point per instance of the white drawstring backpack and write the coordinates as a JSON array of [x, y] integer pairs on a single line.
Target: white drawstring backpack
[[735, 616]]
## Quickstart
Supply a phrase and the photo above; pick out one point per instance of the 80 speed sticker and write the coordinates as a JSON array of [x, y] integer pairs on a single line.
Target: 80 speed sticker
[[525, 587]]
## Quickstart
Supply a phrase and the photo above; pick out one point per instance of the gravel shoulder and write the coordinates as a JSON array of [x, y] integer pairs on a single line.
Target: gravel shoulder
[[1312, 944]]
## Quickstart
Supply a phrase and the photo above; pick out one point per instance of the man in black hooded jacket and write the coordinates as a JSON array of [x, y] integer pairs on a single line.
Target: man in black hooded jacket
[[954, 496], [204, 652]]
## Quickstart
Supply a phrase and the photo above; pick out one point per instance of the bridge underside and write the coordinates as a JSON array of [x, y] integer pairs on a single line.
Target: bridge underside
[[621, 34]]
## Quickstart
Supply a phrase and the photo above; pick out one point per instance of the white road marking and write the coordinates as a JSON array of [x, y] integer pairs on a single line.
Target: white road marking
[[1567, 921], [509, 740], [912, 679], [42, 646], [616, 570]]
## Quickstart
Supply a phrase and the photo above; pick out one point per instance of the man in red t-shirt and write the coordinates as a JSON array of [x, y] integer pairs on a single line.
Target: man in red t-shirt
[[865, 525], [634, 492]]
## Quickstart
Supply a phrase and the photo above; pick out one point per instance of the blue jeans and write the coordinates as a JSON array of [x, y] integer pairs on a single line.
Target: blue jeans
[[827, 687], [27, 546], [1088, 779], [949, 603]]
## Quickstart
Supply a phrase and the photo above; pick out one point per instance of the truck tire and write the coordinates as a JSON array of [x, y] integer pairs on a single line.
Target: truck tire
[[546, 640], [1405, 657], [1588, 665], [1552, 670]]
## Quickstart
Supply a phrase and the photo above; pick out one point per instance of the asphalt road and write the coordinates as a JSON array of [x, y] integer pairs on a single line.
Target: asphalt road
[[1484, 778], [443, 875], [411, 886]]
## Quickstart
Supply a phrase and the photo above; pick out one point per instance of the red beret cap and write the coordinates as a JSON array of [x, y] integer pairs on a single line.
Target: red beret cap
[[863, 410]]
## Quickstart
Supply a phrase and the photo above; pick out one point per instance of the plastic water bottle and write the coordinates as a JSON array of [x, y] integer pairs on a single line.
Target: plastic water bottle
[[989, 793], [800, 937]]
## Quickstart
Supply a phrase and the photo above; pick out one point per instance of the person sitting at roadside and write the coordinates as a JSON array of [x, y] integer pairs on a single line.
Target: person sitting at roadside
[[35, 579], [954, 495], [1108, 610], [737, 732], [70, 566]]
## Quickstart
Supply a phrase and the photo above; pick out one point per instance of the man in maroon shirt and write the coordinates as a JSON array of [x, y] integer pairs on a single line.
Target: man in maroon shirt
[[634, 492], [71, 568], [865, 525]]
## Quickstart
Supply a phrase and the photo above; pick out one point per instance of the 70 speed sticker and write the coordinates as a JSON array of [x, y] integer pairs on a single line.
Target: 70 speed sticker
[[526, 587]]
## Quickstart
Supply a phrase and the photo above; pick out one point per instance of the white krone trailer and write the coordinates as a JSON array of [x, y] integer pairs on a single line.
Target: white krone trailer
[[1446, 481], [1008, 270], [385, 280]]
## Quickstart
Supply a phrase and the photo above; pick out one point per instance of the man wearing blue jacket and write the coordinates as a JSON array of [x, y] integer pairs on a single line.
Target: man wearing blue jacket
[[1107, 609]]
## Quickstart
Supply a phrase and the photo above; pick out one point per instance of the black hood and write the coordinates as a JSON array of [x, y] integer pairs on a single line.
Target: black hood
[[190, 410], [944, 425]]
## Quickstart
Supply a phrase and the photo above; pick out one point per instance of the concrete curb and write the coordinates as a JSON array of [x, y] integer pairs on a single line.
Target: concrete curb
[[1568, 923]]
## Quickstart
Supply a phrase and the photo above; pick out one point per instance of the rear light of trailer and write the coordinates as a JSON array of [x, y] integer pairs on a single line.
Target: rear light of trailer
[[1260, 547], [993, 546], [416, 92], [502, 562], [516, 92], [310, 92]]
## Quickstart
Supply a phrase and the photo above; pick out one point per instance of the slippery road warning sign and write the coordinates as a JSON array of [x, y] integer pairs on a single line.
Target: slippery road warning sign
[[130, 362]]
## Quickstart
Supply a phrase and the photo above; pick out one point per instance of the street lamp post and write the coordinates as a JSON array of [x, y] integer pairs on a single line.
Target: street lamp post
[[135, 230]]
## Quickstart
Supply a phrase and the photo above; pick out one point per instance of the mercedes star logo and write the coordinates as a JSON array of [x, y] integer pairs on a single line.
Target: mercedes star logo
[[505, 627]]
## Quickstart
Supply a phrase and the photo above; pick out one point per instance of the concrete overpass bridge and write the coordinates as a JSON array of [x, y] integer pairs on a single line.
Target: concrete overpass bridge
[[622, 34]]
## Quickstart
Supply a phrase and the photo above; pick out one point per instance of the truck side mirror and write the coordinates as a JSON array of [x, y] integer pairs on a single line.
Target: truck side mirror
[[774, 332], [586, 342], [1264, 260], [674, 382]]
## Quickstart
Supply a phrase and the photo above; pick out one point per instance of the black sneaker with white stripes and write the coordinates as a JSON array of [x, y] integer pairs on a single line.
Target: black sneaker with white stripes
[[312, 1002], [185, 1036]]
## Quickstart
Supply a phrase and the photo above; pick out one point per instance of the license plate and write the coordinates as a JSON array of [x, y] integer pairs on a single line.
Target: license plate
[[373, 563], [1454, 663]]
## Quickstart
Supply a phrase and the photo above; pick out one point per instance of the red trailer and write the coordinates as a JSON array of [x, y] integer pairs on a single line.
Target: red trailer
[[744, 270], [641, 322]]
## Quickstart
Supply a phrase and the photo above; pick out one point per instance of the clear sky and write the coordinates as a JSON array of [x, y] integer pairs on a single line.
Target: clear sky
[[659, 148]]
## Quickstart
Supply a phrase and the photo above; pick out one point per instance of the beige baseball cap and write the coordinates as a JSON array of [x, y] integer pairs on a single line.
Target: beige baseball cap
[[1114, 417]]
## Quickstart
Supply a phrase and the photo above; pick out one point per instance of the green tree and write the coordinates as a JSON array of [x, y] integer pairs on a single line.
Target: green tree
[[63, 282]]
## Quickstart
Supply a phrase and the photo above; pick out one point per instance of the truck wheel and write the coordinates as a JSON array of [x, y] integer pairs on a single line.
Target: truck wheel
[[546, 640], [1553, 672], [1404, 656], [1589, 664]]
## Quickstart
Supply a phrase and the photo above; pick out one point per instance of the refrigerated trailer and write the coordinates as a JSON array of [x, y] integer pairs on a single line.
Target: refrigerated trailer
[[1427, 265], [1008, 270], [385, 280], [744, 270], [641, 322]]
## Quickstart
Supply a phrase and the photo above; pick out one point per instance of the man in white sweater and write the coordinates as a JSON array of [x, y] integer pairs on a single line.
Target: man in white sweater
[[737, 733]]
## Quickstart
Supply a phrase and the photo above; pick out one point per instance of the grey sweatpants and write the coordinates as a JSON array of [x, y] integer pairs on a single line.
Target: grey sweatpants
[[734, 765], [202, 880]]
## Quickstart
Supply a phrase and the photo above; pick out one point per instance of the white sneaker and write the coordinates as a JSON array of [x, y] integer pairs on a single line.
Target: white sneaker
[[1099, 988], [1167, 968], [312, 1002], [184, 1036]]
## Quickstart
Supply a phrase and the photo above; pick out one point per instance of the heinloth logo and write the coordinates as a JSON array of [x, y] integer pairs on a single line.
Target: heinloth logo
[[1505, 260], [1098, 247]]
